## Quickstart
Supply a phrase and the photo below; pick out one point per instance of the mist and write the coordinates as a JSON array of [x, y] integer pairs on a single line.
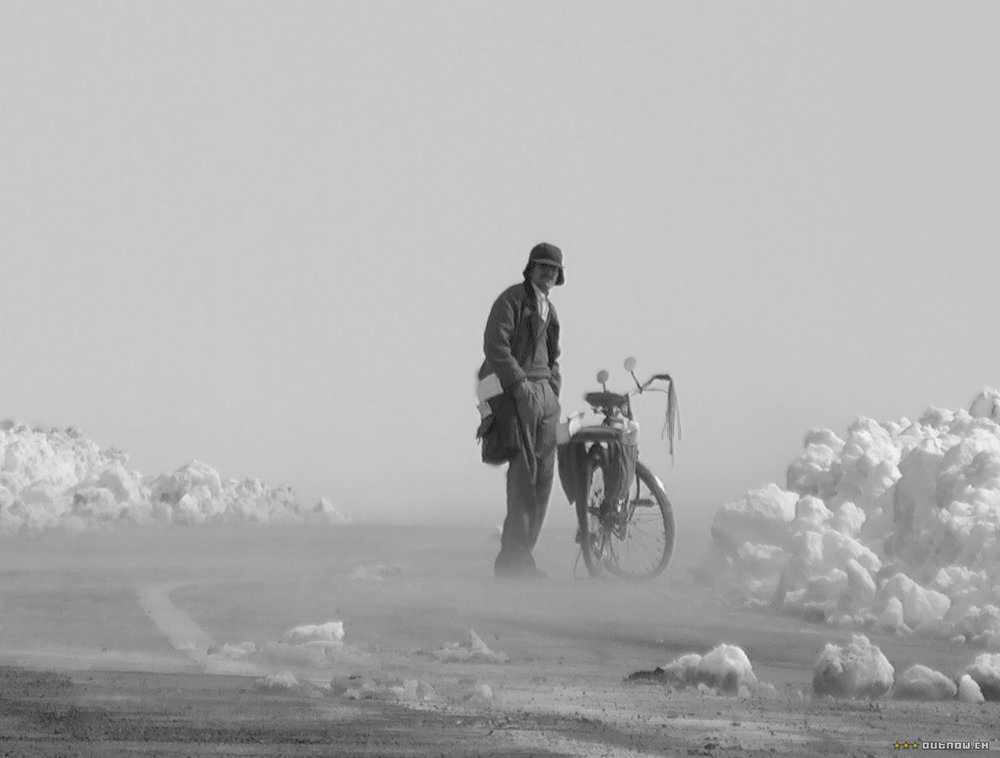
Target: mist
[[268, 238]]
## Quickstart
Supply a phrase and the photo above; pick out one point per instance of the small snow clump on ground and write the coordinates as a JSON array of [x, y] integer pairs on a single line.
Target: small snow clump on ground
[[919, 682], [858, 671], [969, 692], [475, 651], [284, 680], [723, 670], [985, 671]]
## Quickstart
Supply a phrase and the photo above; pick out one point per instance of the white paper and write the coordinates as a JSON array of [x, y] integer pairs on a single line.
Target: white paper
[[488, 387]]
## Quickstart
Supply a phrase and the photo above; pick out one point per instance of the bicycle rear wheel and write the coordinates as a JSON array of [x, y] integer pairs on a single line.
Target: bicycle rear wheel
[[632, 539], [641, 549], [591, 512]]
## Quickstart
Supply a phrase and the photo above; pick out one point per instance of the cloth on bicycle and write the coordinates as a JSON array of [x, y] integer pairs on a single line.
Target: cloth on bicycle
[[622, 457], [672, 422], [572, 459], [623, 454]]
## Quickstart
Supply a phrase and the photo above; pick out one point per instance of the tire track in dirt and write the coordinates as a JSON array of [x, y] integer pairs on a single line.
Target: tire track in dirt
[[184, 634]]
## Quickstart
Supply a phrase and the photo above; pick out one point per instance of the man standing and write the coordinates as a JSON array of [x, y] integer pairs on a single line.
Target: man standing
[[521, 345]]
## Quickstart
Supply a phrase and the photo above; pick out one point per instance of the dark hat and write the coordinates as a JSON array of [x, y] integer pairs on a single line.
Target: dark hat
[[545, 252]]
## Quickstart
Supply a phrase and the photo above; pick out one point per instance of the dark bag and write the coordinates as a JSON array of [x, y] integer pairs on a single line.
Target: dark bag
[[572, 458], [498, 431], [623, 455]]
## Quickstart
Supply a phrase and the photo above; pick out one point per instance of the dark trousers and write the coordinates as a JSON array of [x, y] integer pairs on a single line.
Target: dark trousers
[[528, 496]]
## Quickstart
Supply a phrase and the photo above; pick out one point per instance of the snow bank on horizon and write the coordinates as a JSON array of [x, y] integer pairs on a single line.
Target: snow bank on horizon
[[59, 479], [894, 527]]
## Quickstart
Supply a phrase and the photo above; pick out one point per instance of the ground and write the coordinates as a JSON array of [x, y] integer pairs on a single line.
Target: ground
[[115, 644]]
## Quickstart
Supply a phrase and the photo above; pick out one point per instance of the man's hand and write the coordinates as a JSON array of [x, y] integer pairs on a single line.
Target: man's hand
[[526, 398]]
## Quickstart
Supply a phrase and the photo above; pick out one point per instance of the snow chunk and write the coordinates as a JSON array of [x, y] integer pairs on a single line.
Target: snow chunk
[[818, 470], [414, 691], [310, 645], [480, 692], [859, 671], [330, 634], [919, 605], [284, 680], [985, 671], [919, 682], [239, 652], [986, 405], [475, 652], [869, 461], [969, 691], [892, 618], [762, 515], [725, 669]]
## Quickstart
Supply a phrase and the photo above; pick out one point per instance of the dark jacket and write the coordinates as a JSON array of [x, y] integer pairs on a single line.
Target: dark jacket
[[514, 335], [517, 345]]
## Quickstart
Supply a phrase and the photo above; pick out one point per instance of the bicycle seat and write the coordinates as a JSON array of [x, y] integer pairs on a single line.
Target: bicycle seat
[[599, 433], [605, 399]]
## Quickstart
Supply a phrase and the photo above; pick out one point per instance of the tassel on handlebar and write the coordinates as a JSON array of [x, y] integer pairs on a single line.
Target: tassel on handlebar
[[672, 422]]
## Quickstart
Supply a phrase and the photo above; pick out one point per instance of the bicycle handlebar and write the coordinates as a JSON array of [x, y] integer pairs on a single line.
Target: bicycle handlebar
[[645, 385]]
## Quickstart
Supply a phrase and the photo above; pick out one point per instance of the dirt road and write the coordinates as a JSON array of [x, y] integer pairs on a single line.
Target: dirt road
[[173, 643]]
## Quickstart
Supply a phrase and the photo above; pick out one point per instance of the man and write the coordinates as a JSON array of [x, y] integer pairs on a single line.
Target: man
[[521, 345]]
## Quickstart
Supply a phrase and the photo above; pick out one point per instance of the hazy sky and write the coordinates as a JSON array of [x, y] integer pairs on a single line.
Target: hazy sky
[[267, 235]]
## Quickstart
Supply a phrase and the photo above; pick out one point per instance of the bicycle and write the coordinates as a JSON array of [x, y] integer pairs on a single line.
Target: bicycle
[[624, 529]]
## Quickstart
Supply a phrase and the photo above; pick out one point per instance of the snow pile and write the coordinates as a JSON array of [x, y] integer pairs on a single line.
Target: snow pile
[[725, 669], [60, 479], [475, 652], [919, 682], [893, 527], [859, 671]]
